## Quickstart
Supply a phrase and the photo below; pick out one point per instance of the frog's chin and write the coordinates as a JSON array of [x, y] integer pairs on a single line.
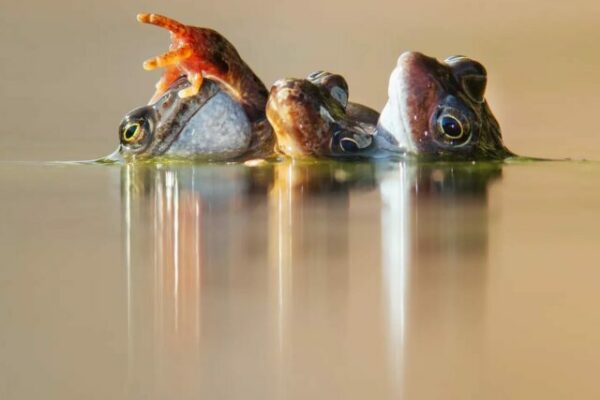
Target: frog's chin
[[411, 89]]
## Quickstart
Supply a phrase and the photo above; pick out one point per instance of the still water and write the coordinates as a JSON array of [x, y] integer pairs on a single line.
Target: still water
[[300, 281]]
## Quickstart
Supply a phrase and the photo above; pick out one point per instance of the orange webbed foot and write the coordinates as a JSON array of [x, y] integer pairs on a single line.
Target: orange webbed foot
[[175, 27], [175, 59], [194, 88]]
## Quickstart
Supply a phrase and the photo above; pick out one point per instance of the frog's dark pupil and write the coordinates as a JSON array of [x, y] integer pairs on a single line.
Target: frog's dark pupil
[[349, 145], [130, 132], [451, 127]]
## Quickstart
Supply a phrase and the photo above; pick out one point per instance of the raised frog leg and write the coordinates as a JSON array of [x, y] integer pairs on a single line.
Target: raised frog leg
[[201, 52]]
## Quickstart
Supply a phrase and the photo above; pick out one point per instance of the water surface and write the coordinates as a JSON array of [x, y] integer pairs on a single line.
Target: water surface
[[300, 281], [294, 281]]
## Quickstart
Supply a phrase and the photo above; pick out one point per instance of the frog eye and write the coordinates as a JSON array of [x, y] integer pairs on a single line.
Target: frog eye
[[451, 127], [131, 132], [355, 142], [349, 145]]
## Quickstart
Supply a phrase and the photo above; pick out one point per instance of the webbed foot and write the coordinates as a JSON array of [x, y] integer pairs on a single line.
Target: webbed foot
[[188, 55]]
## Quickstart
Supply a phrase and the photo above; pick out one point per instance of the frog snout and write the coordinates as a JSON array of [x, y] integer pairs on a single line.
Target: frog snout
[[416, 61]]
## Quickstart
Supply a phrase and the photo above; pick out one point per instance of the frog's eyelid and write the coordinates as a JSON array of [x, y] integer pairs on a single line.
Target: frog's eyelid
[[316, 74], [471, 76], [456, 59], [474, 87], [340, 95]]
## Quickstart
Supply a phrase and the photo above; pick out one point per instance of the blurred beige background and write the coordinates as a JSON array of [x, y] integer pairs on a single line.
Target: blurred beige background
[[69, 70]]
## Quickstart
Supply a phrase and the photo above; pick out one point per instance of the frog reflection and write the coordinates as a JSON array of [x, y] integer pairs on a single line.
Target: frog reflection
[[435, 241], [187, 229], [266, 259], [340, 238]]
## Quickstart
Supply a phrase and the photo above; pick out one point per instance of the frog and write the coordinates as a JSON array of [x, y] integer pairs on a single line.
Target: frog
[[436, 110], [314, 117], [208, 104]]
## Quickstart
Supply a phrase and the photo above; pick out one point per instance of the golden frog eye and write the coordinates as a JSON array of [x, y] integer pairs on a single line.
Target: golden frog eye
[[451, 127], [131, 132]]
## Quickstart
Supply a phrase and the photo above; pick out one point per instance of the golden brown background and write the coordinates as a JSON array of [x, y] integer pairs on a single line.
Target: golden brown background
[[216, 282], [69, 70]]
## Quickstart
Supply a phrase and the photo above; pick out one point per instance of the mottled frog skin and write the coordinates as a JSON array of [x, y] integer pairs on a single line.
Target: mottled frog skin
[[312, 117], [209, 105], [209, 126], [436, 110]]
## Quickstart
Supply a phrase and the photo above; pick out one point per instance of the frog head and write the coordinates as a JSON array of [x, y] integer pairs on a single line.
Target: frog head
[[438, 109]]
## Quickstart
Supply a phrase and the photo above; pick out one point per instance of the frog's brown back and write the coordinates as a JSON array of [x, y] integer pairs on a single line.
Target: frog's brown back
[[235, 73]]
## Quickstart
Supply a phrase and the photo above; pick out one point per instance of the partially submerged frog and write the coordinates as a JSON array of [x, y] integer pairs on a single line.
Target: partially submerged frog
[[436, 110], [208, 105], [313, 117]]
